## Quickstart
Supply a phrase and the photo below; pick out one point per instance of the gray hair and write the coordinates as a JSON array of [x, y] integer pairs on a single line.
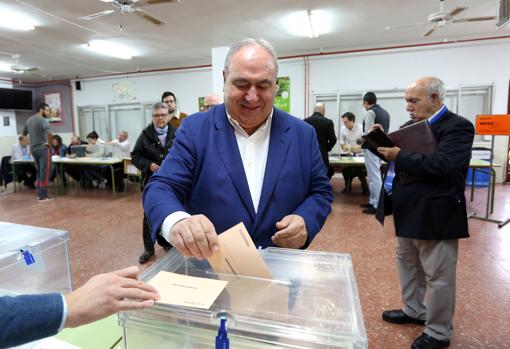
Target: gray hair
[[436, 86], [251, 42], [159, 105]]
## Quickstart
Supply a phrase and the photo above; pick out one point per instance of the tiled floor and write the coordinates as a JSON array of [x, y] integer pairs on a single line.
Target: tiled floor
[[105, 234]]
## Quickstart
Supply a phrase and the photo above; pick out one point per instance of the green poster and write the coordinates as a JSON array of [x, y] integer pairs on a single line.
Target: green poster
[[282, 99], [201, 103]]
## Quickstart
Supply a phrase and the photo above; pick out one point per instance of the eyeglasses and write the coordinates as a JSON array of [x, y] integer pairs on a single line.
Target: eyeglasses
[[162, 116]]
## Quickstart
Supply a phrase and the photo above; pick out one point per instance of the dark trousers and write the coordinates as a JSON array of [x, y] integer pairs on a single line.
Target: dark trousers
[[26, 173], [42, 158], [349, 173], [148, 244]]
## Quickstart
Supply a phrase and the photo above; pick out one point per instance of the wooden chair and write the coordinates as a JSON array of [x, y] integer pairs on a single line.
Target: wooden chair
[[131, 173]]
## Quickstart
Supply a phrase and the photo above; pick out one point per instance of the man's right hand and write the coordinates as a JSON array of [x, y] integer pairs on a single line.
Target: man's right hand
[[374, 126], [154, 167], [194, 236]]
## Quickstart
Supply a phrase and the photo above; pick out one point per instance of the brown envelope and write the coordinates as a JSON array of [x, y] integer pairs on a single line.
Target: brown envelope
[[238, 255]]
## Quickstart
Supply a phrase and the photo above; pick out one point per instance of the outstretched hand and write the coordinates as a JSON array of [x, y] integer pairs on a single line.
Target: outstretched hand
[[106, 294]]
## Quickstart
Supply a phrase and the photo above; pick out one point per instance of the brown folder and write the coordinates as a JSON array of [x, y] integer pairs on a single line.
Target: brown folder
[[415, 138]]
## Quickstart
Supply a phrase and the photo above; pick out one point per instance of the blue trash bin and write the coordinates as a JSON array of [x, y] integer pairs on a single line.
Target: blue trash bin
[[481, 177]]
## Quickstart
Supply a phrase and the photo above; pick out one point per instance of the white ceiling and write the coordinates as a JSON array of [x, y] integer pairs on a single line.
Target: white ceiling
[[194, 26]]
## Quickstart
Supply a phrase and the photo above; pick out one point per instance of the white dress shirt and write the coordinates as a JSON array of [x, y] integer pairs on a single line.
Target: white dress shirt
[[254, 150], [19, 152], [123, 147], [351, 137]]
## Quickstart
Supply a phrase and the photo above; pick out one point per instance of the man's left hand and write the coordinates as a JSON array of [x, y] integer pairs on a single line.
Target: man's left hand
[[389, 153], [291, 232]]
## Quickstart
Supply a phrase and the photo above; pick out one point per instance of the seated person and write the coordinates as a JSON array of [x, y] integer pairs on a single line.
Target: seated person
[[95, 149], [74, 171], [59, 149], [122, 148], [75, 140], [349, 136], [25, 173]]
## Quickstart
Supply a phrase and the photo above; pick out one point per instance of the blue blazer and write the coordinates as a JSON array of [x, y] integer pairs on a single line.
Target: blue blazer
[[203, 174], [24, 319]]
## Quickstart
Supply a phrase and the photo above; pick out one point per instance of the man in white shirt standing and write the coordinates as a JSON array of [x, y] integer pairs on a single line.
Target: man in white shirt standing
[[122, 144], [375, 115], [25, 172], [242, 161]]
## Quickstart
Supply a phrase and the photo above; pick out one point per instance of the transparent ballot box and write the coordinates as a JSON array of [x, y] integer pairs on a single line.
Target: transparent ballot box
[[311, 302], [33, 260]]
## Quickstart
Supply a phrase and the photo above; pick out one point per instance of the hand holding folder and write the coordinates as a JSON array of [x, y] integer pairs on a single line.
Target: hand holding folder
[[415, 138]]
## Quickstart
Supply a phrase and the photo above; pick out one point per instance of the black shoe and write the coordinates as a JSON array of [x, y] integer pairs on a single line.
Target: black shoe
[[29, 185], [428, 342], [366, 206], [146, 255], [167, 248], [370, 210], [399, 317]]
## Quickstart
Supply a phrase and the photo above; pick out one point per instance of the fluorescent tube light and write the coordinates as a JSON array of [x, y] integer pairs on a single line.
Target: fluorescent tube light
[[308, 23], [112, 49], [15, 21]]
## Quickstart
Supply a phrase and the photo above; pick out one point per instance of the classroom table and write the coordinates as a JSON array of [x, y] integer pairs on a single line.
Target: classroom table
[[484, 165], [86, 161], [337, 162]]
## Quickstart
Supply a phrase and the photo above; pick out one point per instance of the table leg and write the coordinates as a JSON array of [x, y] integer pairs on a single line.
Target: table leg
[[473, 170], [493, 188], [14, 177], [113, 179]]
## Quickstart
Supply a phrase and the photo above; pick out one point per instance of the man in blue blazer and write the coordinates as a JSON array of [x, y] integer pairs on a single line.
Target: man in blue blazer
[[27, 318], [241, 161]]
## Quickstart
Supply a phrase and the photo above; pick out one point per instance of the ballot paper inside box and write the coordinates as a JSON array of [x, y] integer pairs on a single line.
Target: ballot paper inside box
[[33, 260], [311, 302]]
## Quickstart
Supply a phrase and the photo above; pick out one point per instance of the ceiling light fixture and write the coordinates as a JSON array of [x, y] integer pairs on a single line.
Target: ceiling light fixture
[[312, 33], [15, 21], [111, 49], [308, 23], [5, 67]]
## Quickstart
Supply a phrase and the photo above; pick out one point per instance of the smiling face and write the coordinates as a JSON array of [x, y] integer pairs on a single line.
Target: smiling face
[[421, 104], [250, 86]]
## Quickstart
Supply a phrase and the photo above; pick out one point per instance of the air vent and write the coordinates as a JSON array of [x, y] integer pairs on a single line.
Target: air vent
[[503, 12]]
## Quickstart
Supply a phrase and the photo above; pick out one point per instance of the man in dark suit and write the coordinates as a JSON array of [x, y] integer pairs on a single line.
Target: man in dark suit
[[325, 131], [27, 318], [241, 161], [429, 214]]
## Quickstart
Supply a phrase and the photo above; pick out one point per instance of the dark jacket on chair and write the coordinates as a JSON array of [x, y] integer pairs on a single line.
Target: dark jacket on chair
[[433, 208], [148, 149]]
